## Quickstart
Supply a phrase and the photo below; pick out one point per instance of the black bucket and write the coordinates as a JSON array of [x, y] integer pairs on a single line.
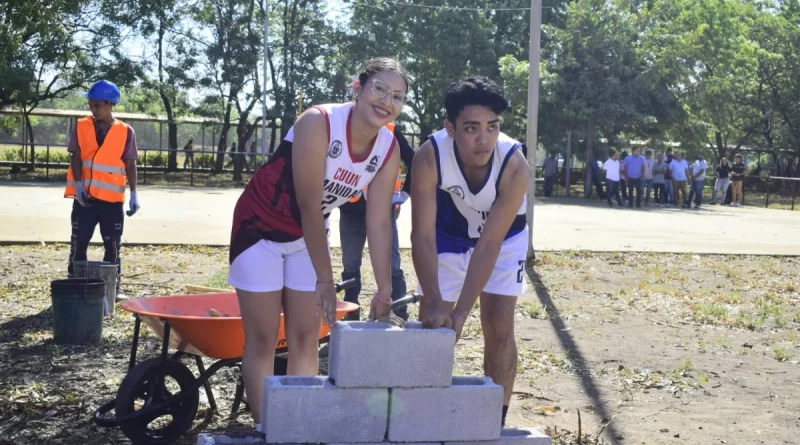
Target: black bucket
[[77, 310]]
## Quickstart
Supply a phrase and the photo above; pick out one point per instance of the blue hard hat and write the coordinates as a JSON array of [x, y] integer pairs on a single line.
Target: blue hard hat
[[104, 90]]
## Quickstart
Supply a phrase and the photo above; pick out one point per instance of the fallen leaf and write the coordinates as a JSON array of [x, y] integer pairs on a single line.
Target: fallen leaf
[[548, 410]]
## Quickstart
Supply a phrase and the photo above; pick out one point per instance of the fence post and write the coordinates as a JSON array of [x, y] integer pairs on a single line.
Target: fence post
[[144, 166], [191, 171], [47, 166], [766, 199], [794, 192], [568, 163]]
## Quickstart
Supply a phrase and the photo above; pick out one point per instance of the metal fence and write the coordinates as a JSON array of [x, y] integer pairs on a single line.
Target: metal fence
[[766, 191], [760, 191]]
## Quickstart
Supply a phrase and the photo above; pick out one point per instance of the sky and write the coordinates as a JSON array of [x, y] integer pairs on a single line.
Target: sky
[[138, 49]]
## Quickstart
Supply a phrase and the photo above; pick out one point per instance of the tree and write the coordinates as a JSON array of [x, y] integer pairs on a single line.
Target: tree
[[600, 76], [302, 57], [438, 44], [776, 33], [230, 66], [710, 48], [51, 48], [158, 22]]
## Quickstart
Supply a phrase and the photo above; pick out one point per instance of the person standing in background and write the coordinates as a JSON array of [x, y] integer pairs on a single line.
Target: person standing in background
[[659, 181], [188, 153], [723, 171], [634, 166], [550, 168], [353, 233], [698, 177], [612, 168], [623, 176], [680, 171], [668, 178], [104, 156], [649, 162]]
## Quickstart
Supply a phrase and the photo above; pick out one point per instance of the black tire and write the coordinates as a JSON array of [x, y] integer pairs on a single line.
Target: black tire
[[143, 384]]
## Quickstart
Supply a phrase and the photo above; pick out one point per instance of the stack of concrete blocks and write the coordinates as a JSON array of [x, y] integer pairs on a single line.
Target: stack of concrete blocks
[[386, 385]]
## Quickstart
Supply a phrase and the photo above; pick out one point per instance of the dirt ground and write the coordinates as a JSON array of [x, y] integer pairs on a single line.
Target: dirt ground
[[642, 348]]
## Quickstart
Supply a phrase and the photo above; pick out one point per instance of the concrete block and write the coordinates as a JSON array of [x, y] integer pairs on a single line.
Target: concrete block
[[387, 443], [312, 410], [469, 410], [513, 436], [378, 355], [254, 438]]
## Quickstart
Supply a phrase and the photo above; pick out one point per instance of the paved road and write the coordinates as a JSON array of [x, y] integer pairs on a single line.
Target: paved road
[[185, 215]]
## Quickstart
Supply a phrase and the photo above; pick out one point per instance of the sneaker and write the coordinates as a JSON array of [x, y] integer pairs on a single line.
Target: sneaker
[[122, 297]]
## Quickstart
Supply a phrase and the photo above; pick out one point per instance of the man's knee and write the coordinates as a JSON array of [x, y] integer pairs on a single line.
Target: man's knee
[[497, 318]]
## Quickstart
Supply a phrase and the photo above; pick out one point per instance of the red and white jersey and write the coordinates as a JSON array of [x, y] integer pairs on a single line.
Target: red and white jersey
[[346, 175], [268, 209]]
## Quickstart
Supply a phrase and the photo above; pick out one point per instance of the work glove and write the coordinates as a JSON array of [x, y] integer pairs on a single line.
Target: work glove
[[399, 198], [134, 204], [81, 195]]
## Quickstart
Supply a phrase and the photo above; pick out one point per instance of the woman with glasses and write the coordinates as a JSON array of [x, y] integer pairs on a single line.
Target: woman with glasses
[[279, 253]]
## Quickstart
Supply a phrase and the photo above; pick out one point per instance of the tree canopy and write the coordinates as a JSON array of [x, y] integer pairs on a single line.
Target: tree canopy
[[713, 75]]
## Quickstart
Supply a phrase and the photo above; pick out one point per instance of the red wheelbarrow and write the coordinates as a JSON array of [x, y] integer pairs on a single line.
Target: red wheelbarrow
[[158, 399]]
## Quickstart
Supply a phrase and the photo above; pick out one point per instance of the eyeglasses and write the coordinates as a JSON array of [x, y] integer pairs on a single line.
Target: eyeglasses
[[380, 90]]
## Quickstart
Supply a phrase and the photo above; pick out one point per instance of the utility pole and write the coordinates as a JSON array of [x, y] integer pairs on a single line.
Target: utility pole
[[533, 111], [264, 83]]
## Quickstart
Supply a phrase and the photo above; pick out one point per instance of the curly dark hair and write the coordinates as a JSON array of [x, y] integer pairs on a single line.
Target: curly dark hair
[[474, 90]]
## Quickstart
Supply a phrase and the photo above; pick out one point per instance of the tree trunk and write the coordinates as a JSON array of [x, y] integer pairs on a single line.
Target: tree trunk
[[222, 146], [721, 150], [31, 167], [589, 156]]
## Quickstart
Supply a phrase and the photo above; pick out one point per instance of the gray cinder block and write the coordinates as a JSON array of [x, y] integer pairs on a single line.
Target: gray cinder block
[[388, 443], [253, 438], [378, 355], [513, 436], [312, 410], [469, 410]]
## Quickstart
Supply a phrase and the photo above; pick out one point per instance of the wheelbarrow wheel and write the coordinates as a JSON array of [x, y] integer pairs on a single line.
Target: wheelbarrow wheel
[[144, 387]]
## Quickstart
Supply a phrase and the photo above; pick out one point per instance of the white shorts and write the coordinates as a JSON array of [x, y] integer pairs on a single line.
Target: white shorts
[[508, 275], [268, 266]]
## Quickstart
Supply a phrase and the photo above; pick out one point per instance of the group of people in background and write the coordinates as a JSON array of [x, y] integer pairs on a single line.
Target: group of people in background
[[667, 177]]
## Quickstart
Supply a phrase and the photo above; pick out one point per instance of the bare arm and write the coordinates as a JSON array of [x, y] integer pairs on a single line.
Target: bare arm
[[379, 223], [77, 165], [512, 190], [131, 172], [423, 222], [310, 145]]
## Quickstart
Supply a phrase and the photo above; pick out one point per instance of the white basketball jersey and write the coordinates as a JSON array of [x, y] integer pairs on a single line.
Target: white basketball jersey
[[461, 210], [346, 176]]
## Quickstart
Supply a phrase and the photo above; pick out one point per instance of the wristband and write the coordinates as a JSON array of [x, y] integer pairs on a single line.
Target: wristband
[[379, 298]]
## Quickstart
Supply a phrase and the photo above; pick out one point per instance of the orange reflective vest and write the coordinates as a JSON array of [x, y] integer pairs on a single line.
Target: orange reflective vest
[[398, 184], [103, 172]]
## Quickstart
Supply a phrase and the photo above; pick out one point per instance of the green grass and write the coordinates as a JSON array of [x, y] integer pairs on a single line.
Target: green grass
[[781, 355], [219, 279]]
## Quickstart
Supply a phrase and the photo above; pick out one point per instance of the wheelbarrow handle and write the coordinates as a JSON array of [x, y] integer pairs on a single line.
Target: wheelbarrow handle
[[347, 284], [405, 301]]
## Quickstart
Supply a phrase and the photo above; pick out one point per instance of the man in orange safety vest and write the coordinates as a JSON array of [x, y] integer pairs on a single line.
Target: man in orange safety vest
[[104, 155]]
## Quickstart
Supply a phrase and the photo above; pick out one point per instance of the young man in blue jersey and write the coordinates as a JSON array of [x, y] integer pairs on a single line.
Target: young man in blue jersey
[[469, 232]]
